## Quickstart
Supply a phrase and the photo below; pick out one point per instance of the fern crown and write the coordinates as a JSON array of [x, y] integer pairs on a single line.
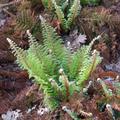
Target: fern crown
[[58, 71]]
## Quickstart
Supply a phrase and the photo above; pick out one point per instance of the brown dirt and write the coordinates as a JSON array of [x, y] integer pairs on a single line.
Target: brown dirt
[[18, 92]]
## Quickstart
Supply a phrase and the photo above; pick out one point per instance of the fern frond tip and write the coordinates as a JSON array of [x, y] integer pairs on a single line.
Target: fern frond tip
[[28, 32], [61, 71], [97, 38], [11, 43], [98, 79], [94, 39], [41, 18], [9, 40], [64, 108], [94, 52]]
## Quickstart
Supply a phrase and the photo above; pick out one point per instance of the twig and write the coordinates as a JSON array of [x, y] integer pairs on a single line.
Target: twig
[[8, 4], [9, 13]]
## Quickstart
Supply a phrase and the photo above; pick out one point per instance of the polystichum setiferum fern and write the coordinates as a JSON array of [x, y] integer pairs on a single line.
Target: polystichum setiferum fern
[[58, 71], [26, 20], [66, 11], [67, 20]]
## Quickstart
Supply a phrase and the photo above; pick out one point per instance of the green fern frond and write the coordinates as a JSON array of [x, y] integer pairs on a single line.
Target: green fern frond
[[82, 59], [60, 14], [32, 41], [42, 55], [73, 12], [46, 68], [65, 86], [88, 66], [53, 44], [35, 47], [64, 4], [19, 53], [76, 62]]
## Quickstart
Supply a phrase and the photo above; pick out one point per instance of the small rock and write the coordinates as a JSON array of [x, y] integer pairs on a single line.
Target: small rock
[[42, 111], [2, 22]]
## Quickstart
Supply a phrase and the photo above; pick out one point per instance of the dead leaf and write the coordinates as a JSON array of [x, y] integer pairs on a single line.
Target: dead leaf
[[74, 41]]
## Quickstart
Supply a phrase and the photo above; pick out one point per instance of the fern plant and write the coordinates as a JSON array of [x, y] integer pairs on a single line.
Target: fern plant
[[65, 10], [26, 20], [58, 71], [67, 20]]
